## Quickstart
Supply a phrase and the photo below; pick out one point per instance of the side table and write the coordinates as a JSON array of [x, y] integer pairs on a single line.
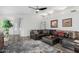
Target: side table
[[1, 42]]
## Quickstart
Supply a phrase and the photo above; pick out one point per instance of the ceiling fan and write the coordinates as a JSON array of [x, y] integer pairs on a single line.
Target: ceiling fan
[[37, 8]]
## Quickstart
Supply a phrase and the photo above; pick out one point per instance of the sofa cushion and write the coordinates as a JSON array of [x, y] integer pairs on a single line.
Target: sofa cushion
[[77, 35], [35, 32], [61, 33]]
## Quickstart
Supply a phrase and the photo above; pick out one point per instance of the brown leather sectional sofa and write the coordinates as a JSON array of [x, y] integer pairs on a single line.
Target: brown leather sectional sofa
[[38, 34], [66, 41]]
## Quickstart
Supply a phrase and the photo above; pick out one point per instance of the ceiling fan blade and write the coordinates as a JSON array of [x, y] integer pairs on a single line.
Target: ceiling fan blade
[[37, 8], [32, 8], [42, 8]]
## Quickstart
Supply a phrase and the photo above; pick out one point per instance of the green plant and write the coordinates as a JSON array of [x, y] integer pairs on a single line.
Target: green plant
[[6, 25]]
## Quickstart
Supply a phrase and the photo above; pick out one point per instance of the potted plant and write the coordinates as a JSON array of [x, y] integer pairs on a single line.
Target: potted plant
[[6, 25]]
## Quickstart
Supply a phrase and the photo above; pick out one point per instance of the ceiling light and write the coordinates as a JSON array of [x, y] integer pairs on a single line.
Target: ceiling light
[[37, 11]]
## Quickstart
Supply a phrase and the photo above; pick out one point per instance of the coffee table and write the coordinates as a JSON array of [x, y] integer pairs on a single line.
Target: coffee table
[[50, 41]]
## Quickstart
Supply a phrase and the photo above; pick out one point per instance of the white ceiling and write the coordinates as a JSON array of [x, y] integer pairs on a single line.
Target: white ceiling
[[25, 10], [15, 10]]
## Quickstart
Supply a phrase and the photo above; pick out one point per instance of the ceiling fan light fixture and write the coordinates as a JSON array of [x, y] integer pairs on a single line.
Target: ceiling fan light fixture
[[37, 11], [37, 8]]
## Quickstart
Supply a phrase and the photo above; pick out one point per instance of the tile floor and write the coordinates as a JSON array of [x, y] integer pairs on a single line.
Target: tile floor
[[62, 49], [29, 46], [33, 46]]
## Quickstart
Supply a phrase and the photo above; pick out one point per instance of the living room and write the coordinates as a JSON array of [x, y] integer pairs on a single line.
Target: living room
[[35, 29]]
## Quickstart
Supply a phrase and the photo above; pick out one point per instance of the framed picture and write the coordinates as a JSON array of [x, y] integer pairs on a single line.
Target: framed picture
[[54, 23], [67, 22]]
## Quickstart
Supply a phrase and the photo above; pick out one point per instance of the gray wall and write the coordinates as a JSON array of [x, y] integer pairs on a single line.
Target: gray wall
[[63, 15], [28, 23]]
